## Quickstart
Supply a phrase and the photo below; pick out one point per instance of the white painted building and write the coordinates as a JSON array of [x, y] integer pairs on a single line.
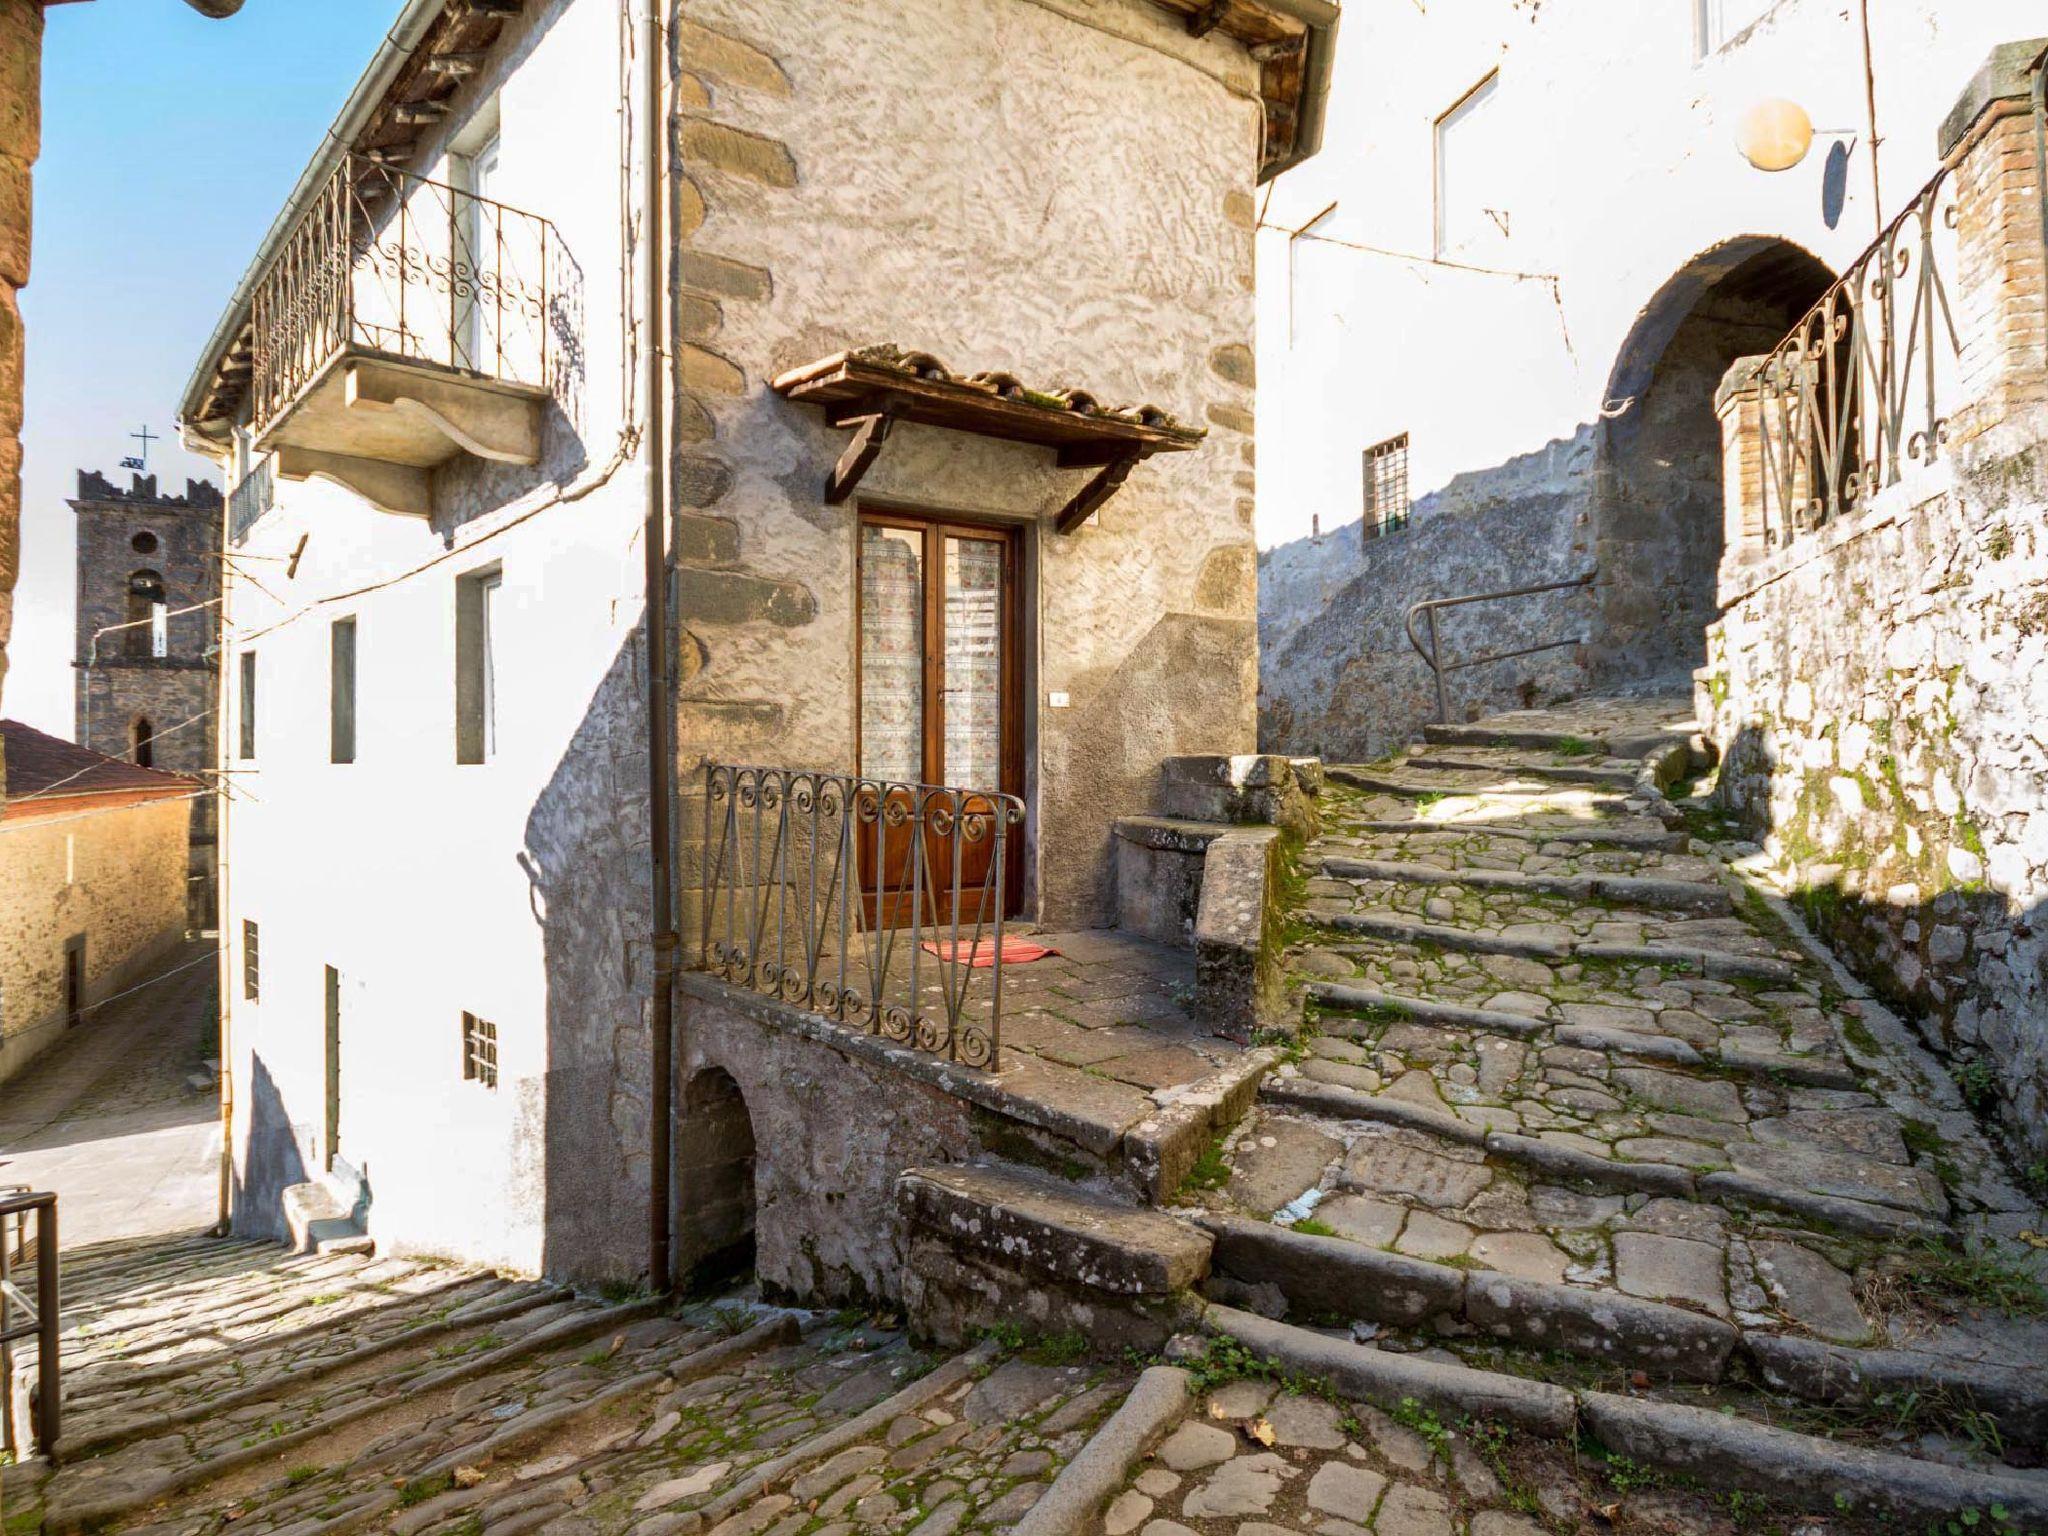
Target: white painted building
[[1523, 209]]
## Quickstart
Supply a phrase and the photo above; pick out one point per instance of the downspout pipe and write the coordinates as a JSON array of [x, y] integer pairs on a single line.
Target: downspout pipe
[[1318, 60], [661, 747]]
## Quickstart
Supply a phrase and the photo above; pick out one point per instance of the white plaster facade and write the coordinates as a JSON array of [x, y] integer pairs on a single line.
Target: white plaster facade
[[1063, 189], [1611, 163]]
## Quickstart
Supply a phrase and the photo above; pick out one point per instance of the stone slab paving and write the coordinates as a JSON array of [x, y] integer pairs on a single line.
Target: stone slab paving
[[1584, 1093]]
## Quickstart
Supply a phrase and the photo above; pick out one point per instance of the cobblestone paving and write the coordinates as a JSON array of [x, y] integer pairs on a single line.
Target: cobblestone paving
[[1255, 1460], [230, 1385], [1596, 1062]]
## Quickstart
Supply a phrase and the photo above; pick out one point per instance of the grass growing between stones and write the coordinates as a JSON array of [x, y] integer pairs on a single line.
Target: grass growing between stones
[[1210, 1170], [1943, 1276]]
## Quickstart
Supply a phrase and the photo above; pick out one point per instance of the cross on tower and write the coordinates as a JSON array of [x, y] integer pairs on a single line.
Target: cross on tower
[[146, 437]]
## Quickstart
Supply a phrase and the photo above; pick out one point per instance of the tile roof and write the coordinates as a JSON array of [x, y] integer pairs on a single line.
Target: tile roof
[[41, 766]]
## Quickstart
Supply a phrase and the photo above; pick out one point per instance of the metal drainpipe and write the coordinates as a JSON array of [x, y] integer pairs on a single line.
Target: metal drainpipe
[[660, 721], [222, 939]]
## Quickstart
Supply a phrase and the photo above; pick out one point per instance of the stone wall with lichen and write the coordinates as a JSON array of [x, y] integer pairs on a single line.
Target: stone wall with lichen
[[1061, 189], [1879, 691]]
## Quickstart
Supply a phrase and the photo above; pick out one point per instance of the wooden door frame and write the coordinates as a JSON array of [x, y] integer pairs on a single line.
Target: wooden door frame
[[934, 526]]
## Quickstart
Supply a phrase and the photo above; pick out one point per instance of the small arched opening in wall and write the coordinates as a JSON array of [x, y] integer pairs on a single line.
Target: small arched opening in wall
[[147, 630], [142, 742], [1658, 504], [714, 1182]]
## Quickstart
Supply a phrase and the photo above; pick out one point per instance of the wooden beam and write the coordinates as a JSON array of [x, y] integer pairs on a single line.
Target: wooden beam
[[463, 9], [859, 456], [1206, 20], [1092, 495], [1092, 455], [454, 65], [419, 111]]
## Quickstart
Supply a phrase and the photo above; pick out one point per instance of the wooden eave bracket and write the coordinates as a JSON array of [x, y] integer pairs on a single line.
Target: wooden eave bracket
[[1106, 483], [872, 428]]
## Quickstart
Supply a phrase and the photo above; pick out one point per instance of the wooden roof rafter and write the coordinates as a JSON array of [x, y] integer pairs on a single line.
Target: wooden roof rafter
[[872, 389]]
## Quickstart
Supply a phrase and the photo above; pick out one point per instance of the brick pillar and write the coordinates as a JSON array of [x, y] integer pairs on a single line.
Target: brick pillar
[[2001, 302], [21, 82], [1739, 404]]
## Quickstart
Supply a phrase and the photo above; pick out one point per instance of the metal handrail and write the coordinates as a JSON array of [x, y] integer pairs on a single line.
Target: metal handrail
[[1433, 652], [40, 1319]]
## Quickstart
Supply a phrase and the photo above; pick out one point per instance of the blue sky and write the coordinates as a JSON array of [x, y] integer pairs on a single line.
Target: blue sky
[[169, 143]]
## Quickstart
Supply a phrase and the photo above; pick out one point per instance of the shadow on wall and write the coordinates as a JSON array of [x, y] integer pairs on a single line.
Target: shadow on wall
[[1965, 967], [273, 1163], [587, 859], [1636, 495]]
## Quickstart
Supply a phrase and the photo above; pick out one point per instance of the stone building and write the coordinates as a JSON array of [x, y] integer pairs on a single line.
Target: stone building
[[21, 133], [1531, 254], [148, 631], [947, 483], [92, 884]]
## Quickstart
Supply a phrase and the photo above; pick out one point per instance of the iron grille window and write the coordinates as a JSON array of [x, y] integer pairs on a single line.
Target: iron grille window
[[250, 964], [1386, 486], [253, 497], [479, 1051]]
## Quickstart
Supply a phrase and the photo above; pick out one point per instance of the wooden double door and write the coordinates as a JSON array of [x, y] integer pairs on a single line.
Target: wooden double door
[[941, 703]]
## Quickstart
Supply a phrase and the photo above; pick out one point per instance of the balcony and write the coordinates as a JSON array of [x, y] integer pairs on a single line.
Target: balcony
[[404, 322]]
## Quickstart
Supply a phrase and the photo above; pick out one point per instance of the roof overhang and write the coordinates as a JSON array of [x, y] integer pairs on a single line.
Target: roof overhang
[[1294, 43]]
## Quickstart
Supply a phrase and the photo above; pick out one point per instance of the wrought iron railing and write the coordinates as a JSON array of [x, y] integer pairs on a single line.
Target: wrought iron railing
[[1431, 650], [253, 497], [1864, 385], [875, 903], [387, 263], [23, 1316]]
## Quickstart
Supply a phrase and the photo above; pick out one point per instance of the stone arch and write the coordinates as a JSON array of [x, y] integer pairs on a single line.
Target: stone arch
[[1658, 502], [714, 1181]]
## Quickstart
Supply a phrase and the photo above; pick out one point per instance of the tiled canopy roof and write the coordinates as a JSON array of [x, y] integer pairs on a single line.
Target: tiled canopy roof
[[44, 767]]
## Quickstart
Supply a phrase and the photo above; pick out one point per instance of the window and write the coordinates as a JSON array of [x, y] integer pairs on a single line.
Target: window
[[251, 965], [247, 721], [1471, 208], [144, 744], [144, 543], [147, 630], [479, 1051], [1717, 23], [1314, 229], [341, 695], [476, 665], [1386, 487]]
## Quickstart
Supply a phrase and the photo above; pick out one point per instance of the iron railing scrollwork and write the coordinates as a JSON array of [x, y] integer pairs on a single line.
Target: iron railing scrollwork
[[417, 271], [25, 1316], [1865, 383], [1431, 649], [875, 903]]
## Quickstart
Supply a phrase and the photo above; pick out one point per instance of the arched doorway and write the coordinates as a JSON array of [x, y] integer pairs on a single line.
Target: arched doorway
[[714, 1182], [1658, 504]]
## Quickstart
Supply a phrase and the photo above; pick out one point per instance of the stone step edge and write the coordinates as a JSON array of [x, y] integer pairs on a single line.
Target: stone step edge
[[1033, 1220], [534, 1425], [1588, 773], [1708, 896], [1074, 1503], [1170, 834], [150, 1376], [1664, 840], [1335, 1277], [324, 1368], [1735, 1190], [1705, 962], [309, 1267], [1477, 734], [1719, 1450], [63, 1517], [1807, 1072], [1379, 783]]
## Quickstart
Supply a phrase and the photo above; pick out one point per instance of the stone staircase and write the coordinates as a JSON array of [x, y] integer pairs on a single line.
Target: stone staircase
[[1576, 1103]]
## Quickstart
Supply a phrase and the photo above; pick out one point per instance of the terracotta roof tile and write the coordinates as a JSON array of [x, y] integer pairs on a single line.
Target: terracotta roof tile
[[45, 766]]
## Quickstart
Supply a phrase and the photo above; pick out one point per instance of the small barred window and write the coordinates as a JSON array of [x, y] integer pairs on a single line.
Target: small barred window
[[479, 1051]]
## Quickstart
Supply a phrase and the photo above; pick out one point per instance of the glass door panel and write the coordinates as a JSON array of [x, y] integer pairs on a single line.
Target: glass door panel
[[973, 663], [891, 652]]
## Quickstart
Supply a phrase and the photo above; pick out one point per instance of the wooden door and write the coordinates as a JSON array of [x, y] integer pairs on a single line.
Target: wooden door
[[940, 704]]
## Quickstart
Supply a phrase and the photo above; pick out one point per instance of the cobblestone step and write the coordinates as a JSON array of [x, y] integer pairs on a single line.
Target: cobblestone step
[[1685, 895], [1439, 1400], [1560, 768]]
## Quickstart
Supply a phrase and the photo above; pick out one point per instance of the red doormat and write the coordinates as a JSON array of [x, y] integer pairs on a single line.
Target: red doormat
[[1016, 950]]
